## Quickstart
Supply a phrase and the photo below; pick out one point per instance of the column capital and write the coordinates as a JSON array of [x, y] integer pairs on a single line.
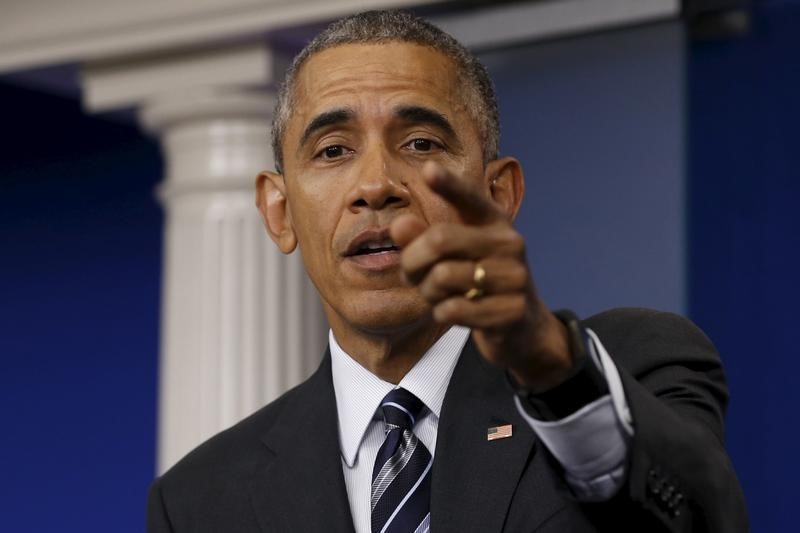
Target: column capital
[[213, 140], [188, 74], [161, 112]]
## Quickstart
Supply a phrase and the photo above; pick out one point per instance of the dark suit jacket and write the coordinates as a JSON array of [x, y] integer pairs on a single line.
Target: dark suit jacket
[[280, 469]]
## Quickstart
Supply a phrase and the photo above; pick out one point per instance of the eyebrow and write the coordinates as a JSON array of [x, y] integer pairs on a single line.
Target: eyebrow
[[328, 118], [408, 113], [425, 115]]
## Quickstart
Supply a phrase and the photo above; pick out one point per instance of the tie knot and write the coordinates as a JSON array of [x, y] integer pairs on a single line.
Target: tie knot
[[401, 408]]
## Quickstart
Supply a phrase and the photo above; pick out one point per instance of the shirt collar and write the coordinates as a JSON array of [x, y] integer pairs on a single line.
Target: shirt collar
[[359, 391]]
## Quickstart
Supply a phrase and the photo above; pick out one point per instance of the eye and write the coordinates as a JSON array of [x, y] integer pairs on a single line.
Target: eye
[[423, 145], [333, 151]]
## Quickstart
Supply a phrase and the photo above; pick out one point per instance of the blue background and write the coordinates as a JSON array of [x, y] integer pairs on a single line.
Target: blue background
[[80, 248], [80, 260], [744, 244], [598, 124]]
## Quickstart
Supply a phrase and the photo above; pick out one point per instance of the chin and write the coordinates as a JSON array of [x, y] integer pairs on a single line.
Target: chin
[[382, 312]]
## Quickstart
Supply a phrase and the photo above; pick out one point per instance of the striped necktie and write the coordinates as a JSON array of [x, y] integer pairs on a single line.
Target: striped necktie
[[401, 478]]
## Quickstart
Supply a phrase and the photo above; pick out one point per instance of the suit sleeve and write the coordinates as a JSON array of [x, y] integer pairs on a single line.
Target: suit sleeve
[[680, 478], [157, 520], [591, 443]]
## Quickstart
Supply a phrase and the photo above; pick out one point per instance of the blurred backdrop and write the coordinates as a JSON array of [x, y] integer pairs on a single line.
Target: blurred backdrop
[[662, 166]]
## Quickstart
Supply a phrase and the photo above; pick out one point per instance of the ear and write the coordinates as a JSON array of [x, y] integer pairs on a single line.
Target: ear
[[506, 184], [271, 203]]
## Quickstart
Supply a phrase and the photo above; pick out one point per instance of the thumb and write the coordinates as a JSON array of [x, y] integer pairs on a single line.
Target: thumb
[[405, 229]]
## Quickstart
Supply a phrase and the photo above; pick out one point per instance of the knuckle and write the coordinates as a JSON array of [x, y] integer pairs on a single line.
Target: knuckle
[[518, 275], [509, 241], [516, 243], [441, 274], [517, 306], [446, 311], [438, 237], [427, 291], [454, 306]]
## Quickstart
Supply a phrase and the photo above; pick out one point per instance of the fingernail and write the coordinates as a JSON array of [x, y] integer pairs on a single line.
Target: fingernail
[[431, 169]]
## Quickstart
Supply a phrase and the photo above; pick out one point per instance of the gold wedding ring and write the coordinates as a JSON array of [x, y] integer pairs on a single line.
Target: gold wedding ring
[[478, 276]]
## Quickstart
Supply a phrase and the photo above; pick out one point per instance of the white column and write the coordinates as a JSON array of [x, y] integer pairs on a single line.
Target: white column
[[240, 322]]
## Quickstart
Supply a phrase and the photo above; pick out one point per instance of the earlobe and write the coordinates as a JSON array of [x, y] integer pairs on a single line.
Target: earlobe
[[274, 210], [506, 184]]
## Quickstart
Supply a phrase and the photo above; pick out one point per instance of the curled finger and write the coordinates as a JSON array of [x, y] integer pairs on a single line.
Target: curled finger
[[493, 311], [451, 278]]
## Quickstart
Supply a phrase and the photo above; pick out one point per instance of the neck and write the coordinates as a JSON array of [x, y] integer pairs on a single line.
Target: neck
[[388, 354]]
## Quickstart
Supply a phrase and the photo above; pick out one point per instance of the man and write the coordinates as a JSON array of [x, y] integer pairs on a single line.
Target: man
[[451, 397]]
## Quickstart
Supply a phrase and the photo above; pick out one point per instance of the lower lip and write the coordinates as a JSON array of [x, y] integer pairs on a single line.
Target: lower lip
[[377, 261]]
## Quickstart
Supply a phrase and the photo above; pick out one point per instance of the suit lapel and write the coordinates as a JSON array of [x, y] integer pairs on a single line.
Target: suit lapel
[[298, 484], [302, 486], [474, 480]]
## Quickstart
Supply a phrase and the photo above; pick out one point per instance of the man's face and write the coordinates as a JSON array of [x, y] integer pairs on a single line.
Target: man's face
[[365, 119]]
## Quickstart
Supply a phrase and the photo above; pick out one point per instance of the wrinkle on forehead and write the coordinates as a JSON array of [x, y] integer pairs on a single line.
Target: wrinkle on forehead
[[352, 70]]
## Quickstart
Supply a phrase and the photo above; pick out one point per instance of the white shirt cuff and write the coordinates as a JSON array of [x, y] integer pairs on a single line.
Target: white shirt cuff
[[592, 443]]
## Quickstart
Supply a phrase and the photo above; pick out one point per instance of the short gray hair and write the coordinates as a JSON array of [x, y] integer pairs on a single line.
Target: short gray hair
[[397, 26]]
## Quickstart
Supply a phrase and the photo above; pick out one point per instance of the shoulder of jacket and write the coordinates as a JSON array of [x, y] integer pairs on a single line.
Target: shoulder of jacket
[[232, 448]]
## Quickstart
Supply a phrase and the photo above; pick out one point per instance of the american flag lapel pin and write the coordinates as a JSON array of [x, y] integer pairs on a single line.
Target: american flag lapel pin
[[499, 432]]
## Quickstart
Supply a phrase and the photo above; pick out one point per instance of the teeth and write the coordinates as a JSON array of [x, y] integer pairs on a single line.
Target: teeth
[[378, 245]]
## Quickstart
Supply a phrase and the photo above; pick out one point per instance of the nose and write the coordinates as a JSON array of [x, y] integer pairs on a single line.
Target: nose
[[378, 183]]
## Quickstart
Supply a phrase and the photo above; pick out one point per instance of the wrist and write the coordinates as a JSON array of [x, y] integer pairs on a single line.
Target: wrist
[[584, 384], [553, 360]]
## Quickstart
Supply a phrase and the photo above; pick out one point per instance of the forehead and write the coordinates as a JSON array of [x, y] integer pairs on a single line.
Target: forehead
[[371, 78]]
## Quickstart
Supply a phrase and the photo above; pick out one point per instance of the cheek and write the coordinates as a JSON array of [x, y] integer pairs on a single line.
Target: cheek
[[315, 215], [315, 228]]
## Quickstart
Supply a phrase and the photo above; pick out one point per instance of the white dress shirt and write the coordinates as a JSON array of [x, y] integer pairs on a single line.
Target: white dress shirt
[[591, 444]]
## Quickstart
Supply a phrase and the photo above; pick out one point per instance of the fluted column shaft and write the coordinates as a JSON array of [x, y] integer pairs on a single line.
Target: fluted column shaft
[[241, 323]]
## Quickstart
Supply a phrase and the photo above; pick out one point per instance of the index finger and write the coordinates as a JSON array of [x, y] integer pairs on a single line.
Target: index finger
[[468, 199]]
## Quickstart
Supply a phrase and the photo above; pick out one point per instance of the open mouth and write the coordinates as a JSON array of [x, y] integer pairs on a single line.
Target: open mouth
[[369, 246], [376, 248]]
